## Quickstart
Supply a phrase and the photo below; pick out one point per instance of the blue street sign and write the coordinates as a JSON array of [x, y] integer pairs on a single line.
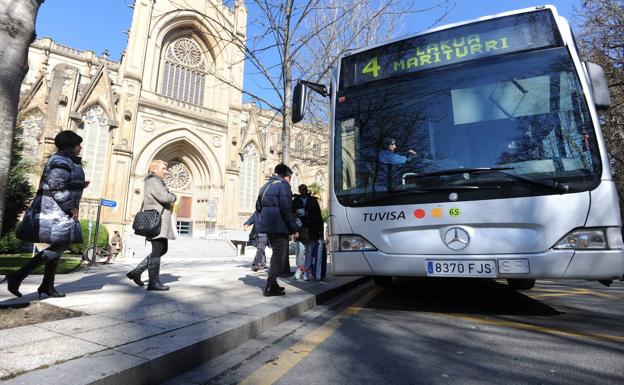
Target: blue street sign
[[108, 203]]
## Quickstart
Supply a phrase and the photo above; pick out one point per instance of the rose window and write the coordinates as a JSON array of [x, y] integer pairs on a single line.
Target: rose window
[[178, 177], [187, 52]]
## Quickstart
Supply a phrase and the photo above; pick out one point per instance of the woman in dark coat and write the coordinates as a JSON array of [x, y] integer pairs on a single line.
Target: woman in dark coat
[[53, 216], [156, 197]]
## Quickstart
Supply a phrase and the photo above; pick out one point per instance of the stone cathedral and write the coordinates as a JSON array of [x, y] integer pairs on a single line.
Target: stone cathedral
[[175, 95]]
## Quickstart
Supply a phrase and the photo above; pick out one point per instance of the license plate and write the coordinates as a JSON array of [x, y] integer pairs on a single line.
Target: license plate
[[461, 268]]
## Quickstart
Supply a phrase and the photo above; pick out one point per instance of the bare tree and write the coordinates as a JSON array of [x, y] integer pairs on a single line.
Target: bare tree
[[308, 38], [373, 23], [602, 41], [17, 32]]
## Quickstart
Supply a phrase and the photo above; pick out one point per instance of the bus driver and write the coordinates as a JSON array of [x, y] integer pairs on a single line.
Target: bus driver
[[388, 155]]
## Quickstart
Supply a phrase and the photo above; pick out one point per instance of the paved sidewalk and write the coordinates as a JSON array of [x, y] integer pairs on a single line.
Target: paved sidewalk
[[131, 336]]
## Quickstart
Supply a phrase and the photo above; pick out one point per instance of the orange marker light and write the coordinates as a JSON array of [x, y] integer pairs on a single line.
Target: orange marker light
[[436, 213]]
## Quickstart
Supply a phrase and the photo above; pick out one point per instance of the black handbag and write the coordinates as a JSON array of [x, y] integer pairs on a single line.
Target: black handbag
[[147, 222]]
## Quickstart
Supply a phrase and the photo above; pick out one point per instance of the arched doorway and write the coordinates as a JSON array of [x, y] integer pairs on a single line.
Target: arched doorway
[[188, 177], [180, 182]]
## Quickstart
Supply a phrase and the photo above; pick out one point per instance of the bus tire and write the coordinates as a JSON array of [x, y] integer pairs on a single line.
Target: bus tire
[[520, 283], [383, 281]]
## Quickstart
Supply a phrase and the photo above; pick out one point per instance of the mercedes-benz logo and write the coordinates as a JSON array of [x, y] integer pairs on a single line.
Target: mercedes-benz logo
[[456, 238]]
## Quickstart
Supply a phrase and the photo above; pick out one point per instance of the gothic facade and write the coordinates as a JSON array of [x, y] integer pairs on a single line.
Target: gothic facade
[[175, 95]]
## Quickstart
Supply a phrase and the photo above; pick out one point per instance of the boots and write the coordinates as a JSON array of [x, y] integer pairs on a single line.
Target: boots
[[47, 285], [14, 280], [272, 288], [135, 275], [153, 269]]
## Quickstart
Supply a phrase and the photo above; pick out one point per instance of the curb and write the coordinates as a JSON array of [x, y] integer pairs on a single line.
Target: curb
[[162, 357]]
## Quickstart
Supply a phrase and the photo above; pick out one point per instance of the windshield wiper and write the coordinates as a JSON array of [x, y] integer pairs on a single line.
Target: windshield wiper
[[399, 193], [552, 185], [457, 171]]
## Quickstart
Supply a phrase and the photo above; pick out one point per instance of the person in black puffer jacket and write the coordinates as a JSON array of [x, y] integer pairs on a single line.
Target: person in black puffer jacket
[[277, 220], [52, 218]]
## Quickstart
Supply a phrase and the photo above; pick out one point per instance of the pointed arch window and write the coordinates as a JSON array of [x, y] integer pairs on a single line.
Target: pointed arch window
[[184, 72], [95, 139], [319, 179], [299, 143], [317, 150], [249, 173]]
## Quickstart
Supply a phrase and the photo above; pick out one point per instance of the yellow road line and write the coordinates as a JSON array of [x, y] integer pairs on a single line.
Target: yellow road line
[[539, 296], [596, 293], [570, 292], [275, 369], [536, 328]]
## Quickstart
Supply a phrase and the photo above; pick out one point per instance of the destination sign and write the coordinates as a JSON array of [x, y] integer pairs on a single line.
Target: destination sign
[[508, 34]]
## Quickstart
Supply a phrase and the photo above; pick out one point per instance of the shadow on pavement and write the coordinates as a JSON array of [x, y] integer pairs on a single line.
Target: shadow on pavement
[[464, 296]]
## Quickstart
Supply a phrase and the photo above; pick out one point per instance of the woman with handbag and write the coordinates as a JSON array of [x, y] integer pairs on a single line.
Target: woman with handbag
[[308, 211], [52, 218], [156, 197]]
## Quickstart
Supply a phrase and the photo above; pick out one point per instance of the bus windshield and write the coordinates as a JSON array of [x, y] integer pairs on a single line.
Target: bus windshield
[[524, 113]]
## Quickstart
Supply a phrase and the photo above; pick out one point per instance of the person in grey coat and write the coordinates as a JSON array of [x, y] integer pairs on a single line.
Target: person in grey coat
[[259, 240], [157, 197], [52, 217], [277, 220]]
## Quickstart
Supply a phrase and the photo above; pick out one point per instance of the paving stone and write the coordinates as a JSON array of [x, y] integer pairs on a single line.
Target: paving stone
[[23, 335], [107, 367], [165, 343], [20, 358], [80, 324], [121, 334], [172, 321]]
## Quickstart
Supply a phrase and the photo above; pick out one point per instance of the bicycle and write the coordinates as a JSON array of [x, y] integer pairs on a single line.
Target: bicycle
[[102, 256]]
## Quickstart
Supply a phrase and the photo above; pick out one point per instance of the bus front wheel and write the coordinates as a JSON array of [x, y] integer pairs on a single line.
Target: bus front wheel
[[383, 281], [520, 283]]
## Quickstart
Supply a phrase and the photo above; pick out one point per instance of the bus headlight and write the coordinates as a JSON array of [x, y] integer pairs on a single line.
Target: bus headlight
[[350, 243], [592, 238]]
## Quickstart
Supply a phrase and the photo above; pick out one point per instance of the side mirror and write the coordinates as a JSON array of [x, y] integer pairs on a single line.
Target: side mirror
[[300, 95], [599, 85]]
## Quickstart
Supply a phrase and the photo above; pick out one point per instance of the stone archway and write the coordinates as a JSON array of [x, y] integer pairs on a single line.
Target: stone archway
[[187, 176], [196, 177]]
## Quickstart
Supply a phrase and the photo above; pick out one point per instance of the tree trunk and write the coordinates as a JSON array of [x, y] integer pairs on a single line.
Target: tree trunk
[[17, 32], [287, 79], [287, 111]]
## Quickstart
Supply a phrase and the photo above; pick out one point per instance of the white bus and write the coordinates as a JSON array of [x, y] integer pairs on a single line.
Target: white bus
[[498, 167]]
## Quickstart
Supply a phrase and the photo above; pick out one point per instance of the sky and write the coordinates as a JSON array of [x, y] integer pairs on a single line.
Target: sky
[[98, 25]]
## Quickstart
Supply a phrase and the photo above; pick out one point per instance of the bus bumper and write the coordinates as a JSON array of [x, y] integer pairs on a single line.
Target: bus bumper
[[563, 264]]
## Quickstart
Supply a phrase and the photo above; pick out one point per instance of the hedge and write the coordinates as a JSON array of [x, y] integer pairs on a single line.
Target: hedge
[[79, 248], [9, 244]]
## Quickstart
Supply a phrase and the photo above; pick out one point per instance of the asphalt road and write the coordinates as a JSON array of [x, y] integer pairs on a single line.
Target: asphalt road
[[440, 332]]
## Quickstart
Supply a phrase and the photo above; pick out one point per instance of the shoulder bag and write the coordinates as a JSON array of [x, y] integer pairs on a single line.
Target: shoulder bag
[[147, 222]]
